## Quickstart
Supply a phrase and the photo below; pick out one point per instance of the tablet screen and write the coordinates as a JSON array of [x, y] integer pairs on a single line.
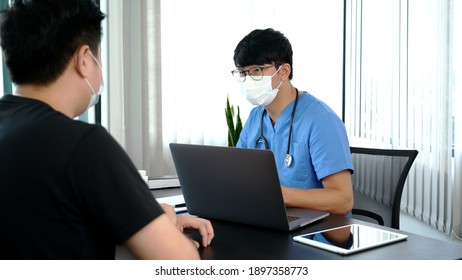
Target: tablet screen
[[350, 238]]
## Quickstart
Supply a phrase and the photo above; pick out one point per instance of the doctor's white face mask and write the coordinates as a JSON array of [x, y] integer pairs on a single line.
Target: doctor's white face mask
[[260, 92], [95, 95]]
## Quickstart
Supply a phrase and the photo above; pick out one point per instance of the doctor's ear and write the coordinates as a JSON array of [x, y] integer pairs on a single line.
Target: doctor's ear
[[285, 71]]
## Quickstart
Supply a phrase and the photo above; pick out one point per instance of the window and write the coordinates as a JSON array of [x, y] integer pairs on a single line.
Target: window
[[400, 92], [173, 60]]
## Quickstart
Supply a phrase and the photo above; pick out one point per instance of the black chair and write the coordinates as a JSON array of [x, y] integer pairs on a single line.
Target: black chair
[[378, 183]]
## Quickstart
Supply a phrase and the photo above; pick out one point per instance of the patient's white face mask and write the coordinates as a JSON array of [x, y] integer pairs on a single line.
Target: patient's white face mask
[[260, 92], [95, 95]]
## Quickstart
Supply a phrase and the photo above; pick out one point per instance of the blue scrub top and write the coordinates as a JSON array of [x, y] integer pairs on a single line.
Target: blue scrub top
[[319, 144]]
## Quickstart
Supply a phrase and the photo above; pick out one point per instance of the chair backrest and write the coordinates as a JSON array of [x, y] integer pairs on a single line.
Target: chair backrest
[[378, 183]]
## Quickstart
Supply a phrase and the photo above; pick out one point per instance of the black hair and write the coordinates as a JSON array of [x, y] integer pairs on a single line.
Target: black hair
[[39, 37], [264, 46]]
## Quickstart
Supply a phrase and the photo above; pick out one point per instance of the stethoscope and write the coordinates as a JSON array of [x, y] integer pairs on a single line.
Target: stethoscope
[[262, 139]]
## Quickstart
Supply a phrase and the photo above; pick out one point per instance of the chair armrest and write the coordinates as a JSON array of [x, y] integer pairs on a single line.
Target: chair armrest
[[369, 214]]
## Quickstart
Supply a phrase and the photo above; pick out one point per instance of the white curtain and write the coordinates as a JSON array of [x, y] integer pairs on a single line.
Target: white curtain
[[400, 93], [170, 64], [457, 195]]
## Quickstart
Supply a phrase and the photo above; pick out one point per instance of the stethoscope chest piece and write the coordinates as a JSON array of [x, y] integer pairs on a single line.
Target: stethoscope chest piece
[[288, 160]]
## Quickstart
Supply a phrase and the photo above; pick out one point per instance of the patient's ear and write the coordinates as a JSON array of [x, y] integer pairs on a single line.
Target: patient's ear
[[81, 60]]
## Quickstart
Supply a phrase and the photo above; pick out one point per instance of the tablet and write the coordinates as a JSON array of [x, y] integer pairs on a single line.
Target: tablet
[[350, 239]]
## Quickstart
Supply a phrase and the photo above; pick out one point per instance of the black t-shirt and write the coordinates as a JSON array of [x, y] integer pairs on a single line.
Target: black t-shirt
[[67, 189]]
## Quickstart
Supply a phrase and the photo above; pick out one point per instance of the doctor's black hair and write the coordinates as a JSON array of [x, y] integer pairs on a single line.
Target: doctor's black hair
[[39, 37], [264, 46]]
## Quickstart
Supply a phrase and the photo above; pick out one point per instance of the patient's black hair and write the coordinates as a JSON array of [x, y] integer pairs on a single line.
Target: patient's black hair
[[39, 37]]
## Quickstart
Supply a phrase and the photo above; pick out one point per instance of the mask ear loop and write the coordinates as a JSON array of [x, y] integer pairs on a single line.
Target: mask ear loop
[[94, 59], [102, 81], [275, 75], [276, 72], [91, 88], [95, 95]]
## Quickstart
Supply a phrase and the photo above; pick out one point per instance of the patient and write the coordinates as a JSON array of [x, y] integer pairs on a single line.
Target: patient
[[68, 189]]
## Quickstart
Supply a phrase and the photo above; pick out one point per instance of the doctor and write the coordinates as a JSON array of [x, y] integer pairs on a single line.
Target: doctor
[[307, 138]]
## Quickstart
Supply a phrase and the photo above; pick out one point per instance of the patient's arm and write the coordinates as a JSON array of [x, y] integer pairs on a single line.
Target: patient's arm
[[160, 239]]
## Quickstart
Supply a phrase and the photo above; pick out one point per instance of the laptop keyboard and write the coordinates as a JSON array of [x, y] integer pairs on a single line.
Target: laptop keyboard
[[292, 218]]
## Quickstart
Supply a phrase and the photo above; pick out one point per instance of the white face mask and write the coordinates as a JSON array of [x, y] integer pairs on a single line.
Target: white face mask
[[95, 95], [260, 92]]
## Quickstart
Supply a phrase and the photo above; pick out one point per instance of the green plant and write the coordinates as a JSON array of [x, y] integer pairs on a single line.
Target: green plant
[[234, 124]]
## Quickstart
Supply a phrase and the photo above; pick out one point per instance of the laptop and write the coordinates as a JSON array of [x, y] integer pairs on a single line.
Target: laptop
[[236, 185]]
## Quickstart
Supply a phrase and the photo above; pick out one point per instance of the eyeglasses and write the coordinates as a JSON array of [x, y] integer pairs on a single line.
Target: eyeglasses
[[256, 73]]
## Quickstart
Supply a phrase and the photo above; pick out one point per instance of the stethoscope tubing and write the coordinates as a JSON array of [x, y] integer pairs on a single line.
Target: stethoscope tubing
[[288, 157]]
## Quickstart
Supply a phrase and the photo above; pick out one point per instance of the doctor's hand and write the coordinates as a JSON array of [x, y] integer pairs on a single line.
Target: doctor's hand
[[186, 222]]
